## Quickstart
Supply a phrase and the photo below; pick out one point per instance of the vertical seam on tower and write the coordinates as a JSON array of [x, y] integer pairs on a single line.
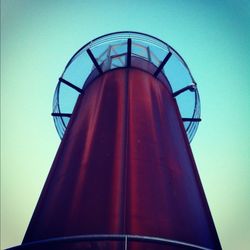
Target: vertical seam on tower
[[126, 138]]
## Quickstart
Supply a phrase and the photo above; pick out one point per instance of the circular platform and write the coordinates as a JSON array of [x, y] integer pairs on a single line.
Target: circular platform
[[124, 50]]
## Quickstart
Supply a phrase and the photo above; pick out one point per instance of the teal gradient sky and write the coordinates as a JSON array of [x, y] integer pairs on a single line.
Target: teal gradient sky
[[39, 37]]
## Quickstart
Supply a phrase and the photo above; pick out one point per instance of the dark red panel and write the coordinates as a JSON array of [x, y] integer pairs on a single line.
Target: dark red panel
[[124, 167]]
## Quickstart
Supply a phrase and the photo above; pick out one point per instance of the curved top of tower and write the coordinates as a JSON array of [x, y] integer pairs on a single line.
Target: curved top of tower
[[123, 50]]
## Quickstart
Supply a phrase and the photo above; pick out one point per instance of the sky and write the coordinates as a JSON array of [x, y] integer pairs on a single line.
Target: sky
[[39, 37]]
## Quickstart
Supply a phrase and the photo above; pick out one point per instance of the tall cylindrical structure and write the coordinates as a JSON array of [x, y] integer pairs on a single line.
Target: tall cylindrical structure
[[124, 176]]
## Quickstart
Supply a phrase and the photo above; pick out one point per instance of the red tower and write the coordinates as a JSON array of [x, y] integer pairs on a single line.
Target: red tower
[[124, 177]]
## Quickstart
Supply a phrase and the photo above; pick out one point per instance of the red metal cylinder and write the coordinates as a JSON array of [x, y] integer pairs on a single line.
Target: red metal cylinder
[[124, 166]]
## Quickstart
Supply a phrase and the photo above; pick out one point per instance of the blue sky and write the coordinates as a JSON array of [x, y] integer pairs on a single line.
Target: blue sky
[[39, 37]]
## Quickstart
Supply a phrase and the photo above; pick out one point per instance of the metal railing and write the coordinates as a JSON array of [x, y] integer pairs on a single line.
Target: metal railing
[[125, 238]]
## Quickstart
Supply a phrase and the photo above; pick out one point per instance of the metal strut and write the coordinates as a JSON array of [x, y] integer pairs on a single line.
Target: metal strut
[[94, 61], [70, 85], [129, 53], [61, 114], [162, 64], [191, 119], [191, 87]]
